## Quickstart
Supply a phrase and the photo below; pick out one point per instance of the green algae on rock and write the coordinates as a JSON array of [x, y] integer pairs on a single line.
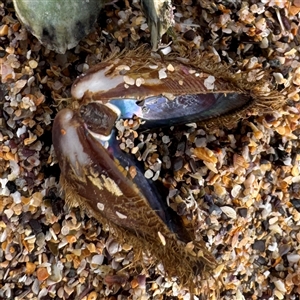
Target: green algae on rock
[[58, 24]]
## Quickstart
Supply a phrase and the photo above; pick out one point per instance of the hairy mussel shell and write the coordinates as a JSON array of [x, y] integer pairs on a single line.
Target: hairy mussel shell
[[97, 177]]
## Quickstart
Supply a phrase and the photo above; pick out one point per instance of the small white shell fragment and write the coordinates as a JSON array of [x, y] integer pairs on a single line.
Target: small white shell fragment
[[192, 71], [279, 78], [264, 43], [291, 52], [65, 230], [21, 130], [53, 234], [30, 237], [209, 82], [217, 56], [33, 64], [275, 228], [155, 177], [3, 236], [62, 244], [273, 247], [36, 288], [16, 197], [165, 139], [9, 213], [162, 73], [235, 190], [162, 238], [120, 215], [128, 80], [280, 285], [122, 68], [170, 68], [100, 206], [266, 273], [82, 266], [56, 272], [148, 174], [97, 259], [293, 258], [249, 181], [273, 220], [85, 67], [139, 81], [60, 292], [166, 50], [3, 182], [227, 30], [229, 212], [144, 26], [112, 246]]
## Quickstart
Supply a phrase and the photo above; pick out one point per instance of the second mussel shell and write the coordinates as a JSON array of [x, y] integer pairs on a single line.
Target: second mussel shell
[[98, 179]]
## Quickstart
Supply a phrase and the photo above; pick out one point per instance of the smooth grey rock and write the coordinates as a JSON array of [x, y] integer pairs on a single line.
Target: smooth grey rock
[[58, 24]]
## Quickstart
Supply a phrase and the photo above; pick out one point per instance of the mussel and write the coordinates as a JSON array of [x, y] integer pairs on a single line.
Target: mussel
[[94, 171]]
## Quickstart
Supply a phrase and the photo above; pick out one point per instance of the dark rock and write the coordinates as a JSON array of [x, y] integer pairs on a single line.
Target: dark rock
[[189, 35], [261, 261], [296, 203], [11, 186], [259, 245], [243, 212], [35, 226], [177, 163]]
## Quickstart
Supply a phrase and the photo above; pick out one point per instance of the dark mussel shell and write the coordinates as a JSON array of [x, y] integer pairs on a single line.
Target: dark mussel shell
[[175, 91], [159, 111], [98, 180]]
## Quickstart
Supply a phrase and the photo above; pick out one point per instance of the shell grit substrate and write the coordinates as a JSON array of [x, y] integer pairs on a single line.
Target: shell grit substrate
[[239, 189]]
